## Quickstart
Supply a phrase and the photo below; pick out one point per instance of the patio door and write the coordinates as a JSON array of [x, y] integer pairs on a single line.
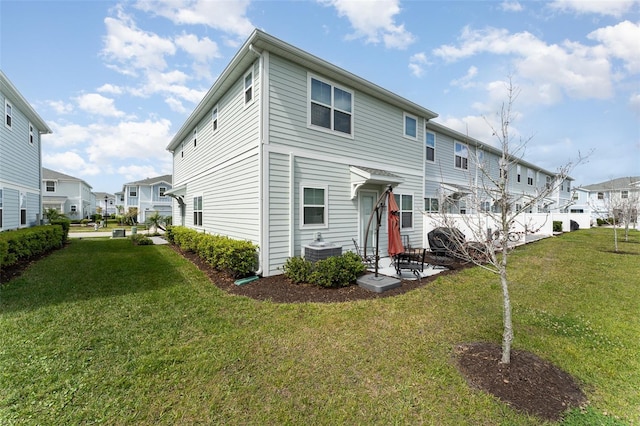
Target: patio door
[[367, 201]]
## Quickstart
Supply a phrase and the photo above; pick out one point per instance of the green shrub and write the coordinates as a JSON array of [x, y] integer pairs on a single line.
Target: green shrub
[[335, 271], [26, 243], [298, 269], [238, 258], [557, 226], [65, 224], [141, 240]]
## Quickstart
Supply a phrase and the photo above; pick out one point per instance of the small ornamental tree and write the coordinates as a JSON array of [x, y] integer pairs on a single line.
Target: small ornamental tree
[[499, 208]]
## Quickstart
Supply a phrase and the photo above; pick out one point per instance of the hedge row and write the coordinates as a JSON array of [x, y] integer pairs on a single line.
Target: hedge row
[[238, 258], [25, 243], [332, 272]]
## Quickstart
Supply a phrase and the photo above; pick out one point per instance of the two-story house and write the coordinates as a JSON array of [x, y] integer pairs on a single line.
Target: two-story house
[[68, 195], [286, 146], [105, 202], [20, 159], [606, 199], [148, 196]]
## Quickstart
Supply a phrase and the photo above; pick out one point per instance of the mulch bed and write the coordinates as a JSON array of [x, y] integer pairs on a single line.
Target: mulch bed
[[529, 383]]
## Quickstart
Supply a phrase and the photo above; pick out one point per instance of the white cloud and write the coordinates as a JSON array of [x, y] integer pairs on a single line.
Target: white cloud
[[621, 41], [135, 172], [110, 88], [374, 21], [95, 103], [614, 8], [417, 63], [60, 107], [511, 6], [66, 135], [467, 80], [227, 16]]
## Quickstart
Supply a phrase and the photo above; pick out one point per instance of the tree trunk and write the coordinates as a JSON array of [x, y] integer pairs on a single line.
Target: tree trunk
[[507, 334]]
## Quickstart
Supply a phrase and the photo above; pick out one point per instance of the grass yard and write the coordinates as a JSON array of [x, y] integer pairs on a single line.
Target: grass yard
[[107, 332]]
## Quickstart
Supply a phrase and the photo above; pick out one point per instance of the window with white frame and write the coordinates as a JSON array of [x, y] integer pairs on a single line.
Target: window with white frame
[[162, 190], [518, 173], [405, 203], [485, 206], [480, 159], [430, 142], [195, 137], [8, 113], [529, 177], [503, 165], [248, 87], [314, 206], [624, 194], [410, 126], [50, 186], [23, 209], [182, 150], [31, 134], [133, 191], [330, 107], [431, 205], [214, 118], [568, 186], [600, 195], [461, 152], [73, 209], [197, 211]]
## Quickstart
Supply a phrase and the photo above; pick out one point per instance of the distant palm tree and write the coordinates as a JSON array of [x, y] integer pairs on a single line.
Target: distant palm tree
[[155, 221]]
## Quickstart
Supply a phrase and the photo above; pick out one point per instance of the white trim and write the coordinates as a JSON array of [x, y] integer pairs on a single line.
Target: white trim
[[8, 106], [215, 122], [31, 137], [330, 129], [455, 142], [245, 89], [426, 133], [413, 210]]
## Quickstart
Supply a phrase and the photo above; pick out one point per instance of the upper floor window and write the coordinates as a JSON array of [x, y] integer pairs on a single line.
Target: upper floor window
[[74, 208], [8, 112], [568, 186], [162, 190], [529, 177], [50, 186], [405, 203], [182, 150], [214, 118], [430, 141], [31, 134], [133, 191], [600, 195], [503, 165], [410, 126], [431, 205], [314, 206], [248, 87], [461, 152], [624, 194], [518, 173], [330, 107], [195, 137], [548, 183]]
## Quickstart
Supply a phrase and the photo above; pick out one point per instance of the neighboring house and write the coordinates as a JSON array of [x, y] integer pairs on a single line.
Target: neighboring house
[[607, 198], [105, 200], [68, 195], [20, 159], [148, 196], [456, 163], [286, 147]]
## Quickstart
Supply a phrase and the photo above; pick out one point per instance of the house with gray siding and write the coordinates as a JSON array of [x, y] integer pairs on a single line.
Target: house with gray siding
[[286, 148], [148, 196], [67, 194], [105, 202], [20, 159]]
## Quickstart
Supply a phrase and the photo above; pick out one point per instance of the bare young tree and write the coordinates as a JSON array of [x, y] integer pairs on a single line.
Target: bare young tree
[[497, 209], [618, 208]]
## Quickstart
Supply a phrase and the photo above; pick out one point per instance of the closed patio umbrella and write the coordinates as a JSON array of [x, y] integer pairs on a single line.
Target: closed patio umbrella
[[393, 226]]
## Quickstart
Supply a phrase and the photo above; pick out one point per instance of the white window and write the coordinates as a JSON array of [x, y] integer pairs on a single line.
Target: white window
[[74, 208], [624, 194], [8, 112], [162, 190], [330, 107], [133, 191], [248, 87], [214, 118], [314, 206], [50, 186], [195, 137], [405, 203], [31, 134], [461, 152], [503, 165], [197, 211], [410, 126], [519, 173], [430, 142], [431, 205], [485, 206], [529, 177], [480, 159], [23, 209], [600, 195]]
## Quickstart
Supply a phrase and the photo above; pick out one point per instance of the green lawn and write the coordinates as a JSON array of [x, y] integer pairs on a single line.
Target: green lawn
[[107, 332]]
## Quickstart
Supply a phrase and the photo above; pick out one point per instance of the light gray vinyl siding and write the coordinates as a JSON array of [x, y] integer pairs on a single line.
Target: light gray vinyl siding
[[10, 209], [377, 126]]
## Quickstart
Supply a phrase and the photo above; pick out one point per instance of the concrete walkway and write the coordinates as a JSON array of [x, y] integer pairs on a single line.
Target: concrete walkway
[[109, 234]]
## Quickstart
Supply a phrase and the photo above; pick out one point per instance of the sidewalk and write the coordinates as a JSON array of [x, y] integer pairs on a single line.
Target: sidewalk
[[108, 234]]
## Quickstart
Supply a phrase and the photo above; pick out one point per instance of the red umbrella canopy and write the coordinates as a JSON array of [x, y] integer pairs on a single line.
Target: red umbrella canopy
[[393, 226]]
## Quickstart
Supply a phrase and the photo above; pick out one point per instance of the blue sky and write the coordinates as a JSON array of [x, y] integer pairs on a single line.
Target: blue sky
[[116, 80]]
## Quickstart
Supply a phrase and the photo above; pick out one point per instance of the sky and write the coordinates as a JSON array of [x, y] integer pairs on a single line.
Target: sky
[[115, 80]]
